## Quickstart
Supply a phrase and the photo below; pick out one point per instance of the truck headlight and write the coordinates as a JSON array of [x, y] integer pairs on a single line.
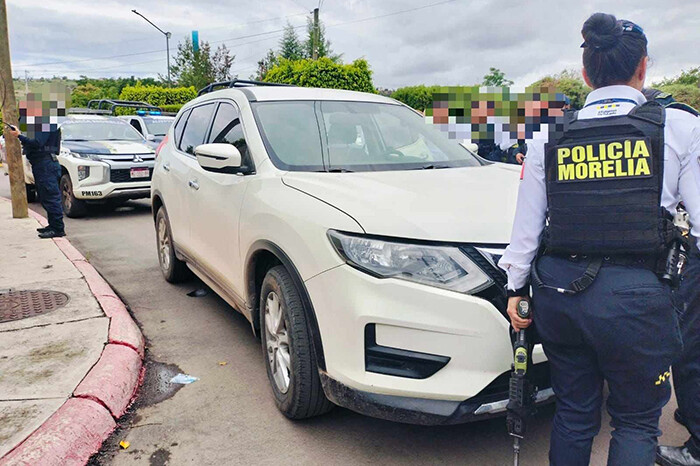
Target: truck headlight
[[440, 266], [80, 155], [83, 172]]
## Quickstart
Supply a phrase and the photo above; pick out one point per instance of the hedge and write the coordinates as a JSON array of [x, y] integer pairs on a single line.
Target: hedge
[[418, 97], [323, 73], [160, 96]]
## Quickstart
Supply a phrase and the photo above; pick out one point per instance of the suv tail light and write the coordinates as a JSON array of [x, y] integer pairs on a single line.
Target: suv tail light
[[160, 146]]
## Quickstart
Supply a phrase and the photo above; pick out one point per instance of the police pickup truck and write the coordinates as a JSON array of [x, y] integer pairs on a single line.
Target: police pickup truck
[[151, 123], [103, 160]]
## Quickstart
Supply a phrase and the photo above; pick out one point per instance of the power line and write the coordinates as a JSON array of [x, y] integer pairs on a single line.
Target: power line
[[343, 23]]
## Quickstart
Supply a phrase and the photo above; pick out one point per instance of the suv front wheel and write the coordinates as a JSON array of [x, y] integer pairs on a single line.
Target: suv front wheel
[[288, 349], [174, 270], [72, 207]]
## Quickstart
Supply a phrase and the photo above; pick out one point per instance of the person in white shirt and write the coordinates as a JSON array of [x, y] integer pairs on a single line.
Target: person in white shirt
[[594, 225]]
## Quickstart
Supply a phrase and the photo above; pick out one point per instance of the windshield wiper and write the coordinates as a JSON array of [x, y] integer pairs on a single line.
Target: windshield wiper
[[431, 167], [335, 170], [76, 140]]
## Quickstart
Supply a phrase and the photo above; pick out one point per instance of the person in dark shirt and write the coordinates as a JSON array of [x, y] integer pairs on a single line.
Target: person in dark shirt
[[41, 147]]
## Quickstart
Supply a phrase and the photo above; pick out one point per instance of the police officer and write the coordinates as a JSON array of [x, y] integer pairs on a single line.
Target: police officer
[[41, 152], [596, 205], [686, 370]]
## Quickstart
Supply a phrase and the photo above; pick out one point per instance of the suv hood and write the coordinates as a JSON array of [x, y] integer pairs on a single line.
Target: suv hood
[[107, 147], [471, 204]]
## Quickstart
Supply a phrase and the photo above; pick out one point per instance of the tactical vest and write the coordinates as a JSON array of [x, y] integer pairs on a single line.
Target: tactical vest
[[604, 179]]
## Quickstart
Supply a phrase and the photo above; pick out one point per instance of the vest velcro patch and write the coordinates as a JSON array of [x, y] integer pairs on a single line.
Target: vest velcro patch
[[611, 160]]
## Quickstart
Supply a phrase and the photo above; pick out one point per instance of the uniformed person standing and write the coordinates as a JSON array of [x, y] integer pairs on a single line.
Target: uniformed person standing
[[596, 205], [686, 370], [41, 151]]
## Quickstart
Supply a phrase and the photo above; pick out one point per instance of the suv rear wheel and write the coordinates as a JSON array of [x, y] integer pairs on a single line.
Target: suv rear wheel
[[288, 349], [174, 270], [72, 207]]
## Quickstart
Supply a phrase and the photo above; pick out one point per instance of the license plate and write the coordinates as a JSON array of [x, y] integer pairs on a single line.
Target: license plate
[[139, 172]]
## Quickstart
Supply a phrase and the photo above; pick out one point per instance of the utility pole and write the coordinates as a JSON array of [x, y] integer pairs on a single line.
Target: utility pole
[[314, 53], [9, 113], [26, 82]]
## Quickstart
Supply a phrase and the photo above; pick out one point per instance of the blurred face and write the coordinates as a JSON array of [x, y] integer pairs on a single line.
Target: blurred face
[[41, 112]]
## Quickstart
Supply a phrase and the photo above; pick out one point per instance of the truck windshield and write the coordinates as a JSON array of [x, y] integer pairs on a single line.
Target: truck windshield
[[344, 136], [99, 131]]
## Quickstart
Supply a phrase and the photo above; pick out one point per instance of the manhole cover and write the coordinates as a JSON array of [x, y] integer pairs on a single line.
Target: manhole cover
[[16, 305]]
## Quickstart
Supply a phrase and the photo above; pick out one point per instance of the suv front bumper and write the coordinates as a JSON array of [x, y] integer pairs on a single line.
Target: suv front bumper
[[413, 353]]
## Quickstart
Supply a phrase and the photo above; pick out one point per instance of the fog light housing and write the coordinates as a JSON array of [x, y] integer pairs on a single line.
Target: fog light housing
[[83, 172]]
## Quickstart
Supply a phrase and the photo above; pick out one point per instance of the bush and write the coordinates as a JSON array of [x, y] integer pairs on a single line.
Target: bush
[[418, 97], [686, 93], [323, 73], [568, 82], [160, 96], [172, 108]]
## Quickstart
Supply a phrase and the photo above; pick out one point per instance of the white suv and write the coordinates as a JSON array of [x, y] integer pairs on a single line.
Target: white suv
[[360, 242]]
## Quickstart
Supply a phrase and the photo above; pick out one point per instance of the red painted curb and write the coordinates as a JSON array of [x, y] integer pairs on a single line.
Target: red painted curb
[[69, 437], [124, 331], [113, 380], [76, 431]]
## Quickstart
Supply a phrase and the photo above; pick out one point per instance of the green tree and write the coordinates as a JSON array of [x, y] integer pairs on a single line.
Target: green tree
[[324, 45], [690, 78], [496, 77], [201, 67], [265, 64], [290, 45]]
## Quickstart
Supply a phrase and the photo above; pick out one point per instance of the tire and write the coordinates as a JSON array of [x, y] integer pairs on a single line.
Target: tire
[[173, 269], [297, 387], [72, 207], [31, 193]]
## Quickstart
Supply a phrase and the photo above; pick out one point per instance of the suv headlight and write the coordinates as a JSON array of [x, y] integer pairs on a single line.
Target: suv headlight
[[440, 266]]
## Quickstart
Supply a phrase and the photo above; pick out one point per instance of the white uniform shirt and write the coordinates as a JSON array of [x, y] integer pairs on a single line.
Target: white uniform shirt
[[681, 178]]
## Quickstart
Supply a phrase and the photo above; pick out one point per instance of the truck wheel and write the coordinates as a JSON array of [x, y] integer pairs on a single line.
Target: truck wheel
[[31, 193], [288, 348], [72, 207], [174, 270]]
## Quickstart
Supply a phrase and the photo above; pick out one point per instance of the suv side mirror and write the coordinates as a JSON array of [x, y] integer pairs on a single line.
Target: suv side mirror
[[218, 157], [150, 137]]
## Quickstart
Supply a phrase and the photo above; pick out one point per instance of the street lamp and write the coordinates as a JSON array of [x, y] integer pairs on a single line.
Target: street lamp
[[167, 41]]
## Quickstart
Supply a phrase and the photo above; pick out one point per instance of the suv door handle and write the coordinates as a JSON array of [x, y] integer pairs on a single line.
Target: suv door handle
[[193, 184], [166, 167]]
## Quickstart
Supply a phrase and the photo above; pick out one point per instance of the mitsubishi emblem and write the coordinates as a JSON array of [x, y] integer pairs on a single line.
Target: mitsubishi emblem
[[137, 159]]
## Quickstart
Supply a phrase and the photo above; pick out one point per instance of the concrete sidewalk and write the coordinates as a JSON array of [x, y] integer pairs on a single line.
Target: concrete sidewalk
[[67, 373]]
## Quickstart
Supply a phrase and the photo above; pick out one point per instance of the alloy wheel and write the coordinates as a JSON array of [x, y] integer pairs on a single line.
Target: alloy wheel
[[163, 244], [277, 342]]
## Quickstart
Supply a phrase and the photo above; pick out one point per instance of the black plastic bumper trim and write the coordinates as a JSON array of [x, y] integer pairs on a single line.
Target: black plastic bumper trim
[[399, 362]]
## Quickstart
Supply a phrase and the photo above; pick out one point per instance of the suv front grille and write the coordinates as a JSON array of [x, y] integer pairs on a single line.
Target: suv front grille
[[123, 175]]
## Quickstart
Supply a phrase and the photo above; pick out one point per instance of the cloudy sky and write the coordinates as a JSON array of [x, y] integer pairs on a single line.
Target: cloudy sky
[[405, 41]]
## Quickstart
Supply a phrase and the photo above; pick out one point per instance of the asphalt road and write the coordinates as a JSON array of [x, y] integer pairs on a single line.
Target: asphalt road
[[228, 415]]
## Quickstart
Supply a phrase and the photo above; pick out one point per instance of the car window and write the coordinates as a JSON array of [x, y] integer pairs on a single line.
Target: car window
[[356, 136], [137, 126], [177, 131], [196, 127], [290, 131], [227, 128]]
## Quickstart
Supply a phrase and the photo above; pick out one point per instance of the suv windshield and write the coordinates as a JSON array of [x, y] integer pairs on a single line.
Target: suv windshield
[[99, 131], [354, 136]]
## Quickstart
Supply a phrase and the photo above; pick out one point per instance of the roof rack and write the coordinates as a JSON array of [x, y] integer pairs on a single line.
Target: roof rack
[[88, 111], [237, 83], [109, 105]]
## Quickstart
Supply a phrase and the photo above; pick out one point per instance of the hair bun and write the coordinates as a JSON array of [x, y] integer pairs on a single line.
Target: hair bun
[[601, 31]]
